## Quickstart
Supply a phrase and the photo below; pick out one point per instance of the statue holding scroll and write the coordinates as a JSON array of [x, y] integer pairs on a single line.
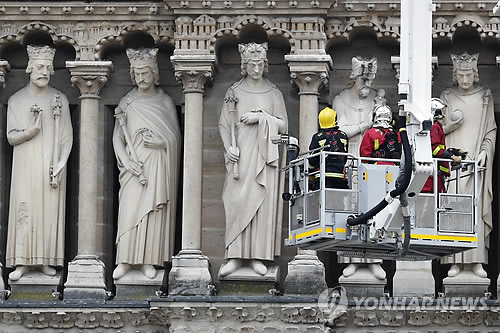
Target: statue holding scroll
[[39, 128], [147, 143], [253, 112]]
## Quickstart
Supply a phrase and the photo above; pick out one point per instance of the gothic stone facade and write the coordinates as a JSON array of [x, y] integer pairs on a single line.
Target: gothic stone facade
[[198, 58]]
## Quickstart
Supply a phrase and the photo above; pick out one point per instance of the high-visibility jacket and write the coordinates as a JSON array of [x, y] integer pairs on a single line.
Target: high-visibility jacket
[[338, 142], [438, 151], [380, 142]]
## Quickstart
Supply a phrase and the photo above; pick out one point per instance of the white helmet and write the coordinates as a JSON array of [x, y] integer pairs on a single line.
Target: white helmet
[[382, 116], [437, 107]]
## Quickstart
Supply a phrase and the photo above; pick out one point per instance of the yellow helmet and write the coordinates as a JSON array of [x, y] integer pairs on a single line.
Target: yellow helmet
[[327, 118]]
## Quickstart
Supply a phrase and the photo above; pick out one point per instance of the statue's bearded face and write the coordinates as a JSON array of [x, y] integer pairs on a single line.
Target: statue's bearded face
[[465, 79], [41, 69], [363, 85], [144, 77]]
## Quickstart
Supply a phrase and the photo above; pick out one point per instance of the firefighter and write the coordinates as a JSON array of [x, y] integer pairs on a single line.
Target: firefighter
[[334, 140], [439, 149], [381, 141]]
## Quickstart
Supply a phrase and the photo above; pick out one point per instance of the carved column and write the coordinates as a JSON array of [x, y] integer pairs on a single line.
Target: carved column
[[86, 271], [4, 68], [306, 273], [190, 273]]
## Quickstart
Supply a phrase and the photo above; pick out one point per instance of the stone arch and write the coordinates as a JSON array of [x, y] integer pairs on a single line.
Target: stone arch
[[116, 38], [240, 23], [41, 27], [386, 29]]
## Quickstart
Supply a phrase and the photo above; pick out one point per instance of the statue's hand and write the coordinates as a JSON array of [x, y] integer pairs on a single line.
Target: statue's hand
[[36, 125], [481, 158], [455, 120], [153, 141], [250, 118], [233, 154], [132, 167]]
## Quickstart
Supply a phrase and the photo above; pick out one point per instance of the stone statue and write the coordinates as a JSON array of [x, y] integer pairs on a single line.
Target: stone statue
[[253, 112], [39, 128], [354, 106], [147, 143], [470, 125]]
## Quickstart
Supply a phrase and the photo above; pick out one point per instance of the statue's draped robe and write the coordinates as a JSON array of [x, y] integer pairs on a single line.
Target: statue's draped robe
[[146, 214], [477, 132], [36, 210], [252, 203], [351, 112]]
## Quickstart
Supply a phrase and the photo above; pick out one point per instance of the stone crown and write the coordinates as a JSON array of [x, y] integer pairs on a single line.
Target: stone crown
[[142, 57], [465, 61], [41, 52]]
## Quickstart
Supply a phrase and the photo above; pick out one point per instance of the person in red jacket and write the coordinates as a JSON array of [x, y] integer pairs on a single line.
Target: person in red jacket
[[439, 149], [381, 141]]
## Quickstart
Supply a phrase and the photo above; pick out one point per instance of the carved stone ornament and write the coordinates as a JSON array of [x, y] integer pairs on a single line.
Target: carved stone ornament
[[61, 320], [214, 313], [265, 314], [290, 315], [161, 317], [393, 318], [36, 320], [365, 319], [471, 318], [240, 313], [112, 320], [137, 318], [492, 318], [335, 318], [308, 315], [444, 317], [419, 318], [188, 313], [11, 318], [86, 320]]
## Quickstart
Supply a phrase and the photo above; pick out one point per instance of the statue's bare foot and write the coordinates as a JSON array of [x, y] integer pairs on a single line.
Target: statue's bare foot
[[230, 267], [454, 270], [47, 270], [120, 271], [18, 272], [149, 271], [479, 270], [349, 270], [377, 271], [258, 267]]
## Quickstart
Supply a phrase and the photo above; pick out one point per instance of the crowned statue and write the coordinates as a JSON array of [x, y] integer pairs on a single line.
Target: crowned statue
[[253, 112], [147, 144], [39, 128], [470, 125]]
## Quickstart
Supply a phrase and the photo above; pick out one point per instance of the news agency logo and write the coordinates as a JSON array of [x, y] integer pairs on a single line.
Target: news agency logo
[[333, 302]]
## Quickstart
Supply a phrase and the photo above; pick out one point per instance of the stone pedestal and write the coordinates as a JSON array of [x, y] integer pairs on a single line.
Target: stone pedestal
[[190, 274], [135, 286], [363, 284], [306, 276], [413, 278], [465, 284], [36, 286], [244, 281], [85, 279]]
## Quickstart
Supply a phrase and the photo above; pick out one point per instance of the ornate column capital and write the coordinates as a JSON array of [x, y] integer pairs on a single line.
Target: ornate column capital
[[193, 71], [309, 71], [4, 68], [89, 76]]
